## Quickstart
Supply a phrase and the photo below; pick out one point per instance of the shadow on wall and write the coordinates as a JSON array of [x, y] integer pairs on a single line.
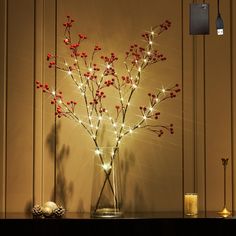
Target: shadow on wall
[[133, 199], [63, 190], [28, 206]]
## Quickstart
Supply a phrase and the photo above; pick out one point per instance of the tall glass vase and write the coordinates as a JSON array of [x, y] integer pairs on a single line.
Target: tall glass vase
[[106, 187]]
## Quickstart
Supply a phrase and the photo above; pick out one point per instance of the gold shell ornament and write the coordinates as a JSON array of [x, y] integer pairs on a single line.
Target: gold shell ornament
[[51, 205], [49, 209]]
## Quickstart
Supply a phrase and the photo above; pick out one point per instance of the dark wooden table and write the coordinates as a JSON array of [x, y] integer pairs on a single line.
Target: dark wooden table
[[162, 223]]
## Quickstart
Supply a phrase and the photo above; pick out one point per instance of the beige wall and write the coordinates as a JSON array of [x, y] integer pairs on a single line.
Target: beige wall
[[43, 159]]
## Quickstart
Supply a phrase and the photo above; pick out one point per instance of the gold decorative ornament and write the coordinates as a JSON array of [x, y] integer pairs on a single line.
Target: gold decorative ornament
[[58, 212], [225, 212], [51, 205], [49, 209], [37, 210]]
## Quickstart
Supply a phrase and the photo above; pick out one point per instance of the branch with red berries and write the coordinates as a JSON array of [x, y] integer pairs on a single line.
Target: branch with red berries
[[95, 75]]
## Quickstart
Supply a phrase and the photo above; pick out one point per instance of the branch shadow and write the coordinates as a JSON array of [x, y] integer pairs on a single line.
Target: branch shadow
[[130, 203], [63, 190]]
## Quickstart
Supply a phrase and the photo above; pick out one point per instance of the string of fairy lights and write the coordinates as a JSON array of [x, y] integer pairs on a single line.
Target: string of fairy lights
[[92, 81]]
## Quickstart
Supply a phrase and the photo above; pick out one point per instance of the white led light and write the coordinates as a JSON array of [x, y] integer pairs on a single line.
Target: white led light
[[139, 69], [130, 131], [152, 33], [150, 109], [150, 42], [220, 31], [145, 60], [106, 166], [69, 72], [97, 152], [66, 64], [53, 93], [144, 117], [149, 53]]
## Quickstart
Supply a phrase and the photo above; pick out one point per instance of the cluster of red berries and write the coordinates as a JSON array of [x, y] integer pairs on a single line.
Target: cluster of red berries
[[109, 83], [155, 56], [97, 48], [69, 22], [165, 25], [74, 46], [98, 97], [156, 115], [109, 60], [174, 90], [83, 55], [51, 63], [56, 98], [82, 36], [127, 79], [109, 71], [44, 87]]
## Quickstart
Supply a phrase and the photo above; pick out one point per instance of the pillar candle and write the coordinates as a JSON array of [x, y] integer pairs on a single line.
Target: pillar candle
[[191, 204]]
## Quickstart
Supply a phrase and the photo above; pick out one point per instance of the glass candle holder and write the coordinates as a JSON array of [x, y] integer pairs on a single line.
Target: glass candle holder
[[191, 204]]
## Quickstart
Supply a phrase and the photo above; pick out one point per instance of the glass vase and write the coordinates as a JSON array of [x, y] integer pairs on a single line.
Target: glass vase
[[106, 187]]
